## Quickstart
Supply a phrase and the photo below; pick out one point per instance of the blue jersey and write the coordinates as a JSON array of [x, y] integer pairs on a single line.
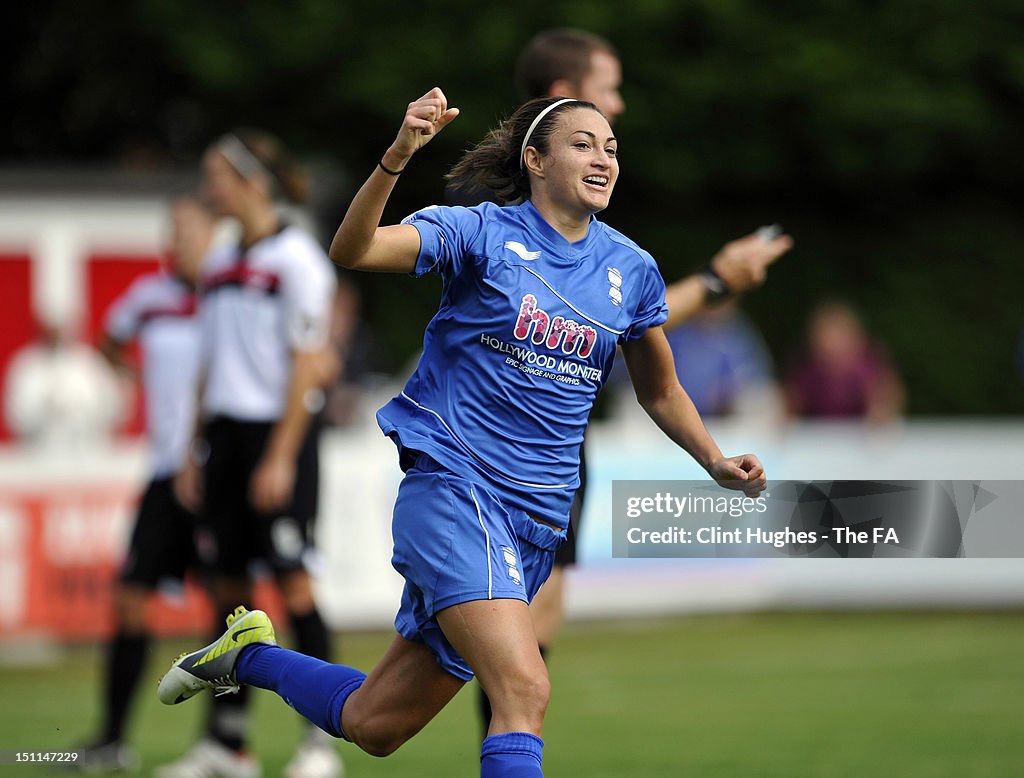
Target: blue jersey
[[523, 341]]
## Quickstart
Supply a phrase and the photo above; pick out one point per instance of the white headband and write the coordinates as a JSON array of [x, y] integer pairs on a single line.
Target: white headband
[[242, 160], [533, 126]]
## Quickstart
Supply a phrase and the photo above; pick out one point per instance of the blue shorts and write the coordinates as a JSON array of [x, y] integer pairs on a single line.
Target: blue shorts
[[455, 541]]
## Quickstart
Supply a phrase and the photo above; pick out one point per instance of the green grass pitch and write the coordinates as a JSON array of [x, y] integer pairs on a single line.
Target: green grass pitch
[[787, 694]]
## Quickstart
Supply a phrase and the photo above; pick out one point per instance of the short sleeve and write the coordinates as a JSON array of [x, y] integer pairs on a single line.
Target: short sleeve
[[446, 237], [307, 289], [652, 311], [124, 316]]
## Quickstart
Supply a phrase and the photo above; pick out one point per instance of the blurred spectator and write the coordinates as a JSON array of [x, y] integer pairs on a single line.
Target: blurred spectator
[[357, 355], [722, 361], [842, 374], [60, 394]]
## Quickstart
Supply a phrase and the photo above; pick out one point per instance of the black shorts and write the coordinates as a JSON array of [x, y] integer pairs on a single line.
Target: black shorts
[[163, 543], [241, 534], [565, 556]]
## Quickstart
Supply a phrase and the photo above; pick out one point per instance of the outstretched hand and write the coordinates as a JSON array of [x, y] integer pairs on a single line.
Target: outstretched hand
[[743, 473], [743, 263], [424, 119]]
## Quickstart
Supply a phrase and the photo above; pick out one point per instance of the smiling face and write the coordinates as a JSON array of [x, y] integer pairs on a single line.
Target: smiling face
[[579, 171]]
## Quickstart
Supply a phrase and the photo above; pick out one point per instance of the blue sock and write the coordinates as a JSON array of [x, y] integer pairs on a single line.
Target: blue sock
[[511, 755], [315, 688]]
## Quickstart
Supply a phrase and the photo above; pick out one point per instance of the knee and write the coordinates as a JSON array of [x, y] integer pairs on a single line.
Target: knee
[[376, 737], [522, 695], [377, 732], [536, 694], [380, 746]]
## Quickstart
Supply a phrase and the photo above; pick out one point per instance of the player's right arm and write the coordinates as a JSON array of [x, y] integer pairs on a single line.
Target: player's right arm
[[115, 351], [188, 481], [122, 323], [360, 243]]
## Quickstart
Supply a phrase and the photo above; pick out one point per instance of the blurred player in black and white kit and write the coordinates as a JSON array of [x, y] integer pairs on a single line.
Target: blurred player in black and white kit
[[264, 309], [158, 310]]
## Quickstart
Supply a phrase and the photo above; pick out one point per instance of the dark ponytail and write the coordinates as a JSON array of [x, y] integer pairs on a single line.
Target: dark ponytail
[[496, 162]]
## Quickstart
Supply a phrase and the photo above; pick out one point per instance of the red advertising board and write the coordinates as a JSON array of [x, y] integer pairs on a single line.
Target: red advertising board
[[60, 552]]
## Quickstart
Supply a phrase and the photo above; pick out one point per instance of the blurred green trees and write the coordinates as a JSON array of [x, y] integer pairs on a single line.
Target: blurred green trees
[[885, 135]]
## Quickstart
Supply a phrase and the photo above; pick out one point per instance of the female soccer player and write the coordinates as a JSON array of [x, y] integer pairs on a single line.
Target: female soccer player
[[264, 315], [565, 62], [536, 299]]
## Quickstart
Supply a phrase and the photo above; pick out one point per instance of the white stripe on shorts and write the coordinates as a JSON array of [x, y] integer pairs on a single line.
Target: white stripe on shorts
[[487, 539]]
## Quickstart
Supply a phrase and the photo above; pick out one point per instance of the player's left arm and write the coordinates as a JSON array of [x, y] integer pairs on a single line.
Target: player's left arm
[[685, 299], [653, 373], [738, 267], [307, 292], [273, 481]]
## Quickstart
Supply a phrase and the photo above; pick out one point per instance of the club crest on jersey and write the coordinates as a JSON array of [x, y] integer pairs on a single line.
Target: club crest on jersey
[[554, 332], [615, 288]]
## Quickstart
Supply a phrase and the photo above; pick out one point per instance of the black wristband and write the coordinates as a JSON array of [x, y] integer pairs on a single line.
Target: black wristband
[[380, 164], [715, 288]]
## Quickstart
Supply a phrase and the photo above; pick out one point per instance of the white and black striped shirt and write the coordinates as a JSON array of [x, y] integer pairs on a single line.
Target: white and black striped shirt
[[159, 309], [257, 307]]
